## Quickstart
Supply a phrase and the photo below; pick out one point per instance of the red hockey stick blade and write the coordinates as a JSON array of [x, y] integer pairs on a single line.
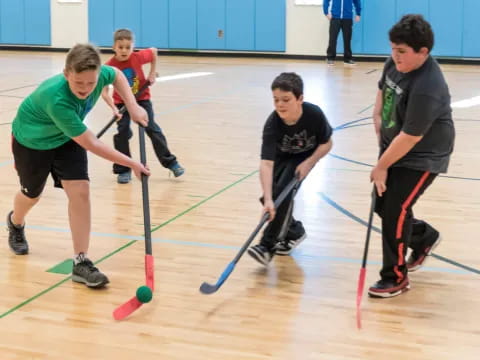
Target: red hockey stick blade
[[127, 308], [361, 284], [149, 271]]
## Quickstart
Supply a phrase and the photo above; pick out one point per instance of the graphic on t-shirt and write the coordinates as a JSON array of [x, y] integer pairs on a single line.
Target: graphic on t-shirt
[[391, 92], [388, 117], [132, 79], [297, 143]]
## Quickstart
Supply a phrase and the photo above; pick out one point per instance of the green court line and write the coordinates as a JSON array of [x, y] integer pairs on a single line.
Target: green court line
[[64, 268], [128, 244]]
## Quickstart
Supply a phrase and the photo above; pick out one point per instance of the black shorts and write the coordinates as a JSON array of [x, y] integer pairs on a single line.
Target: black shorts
[[66, 162]]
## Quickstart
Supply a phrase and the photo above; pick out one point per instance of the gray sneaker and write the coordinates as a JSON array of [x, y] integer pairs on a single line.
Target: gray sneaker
[[16, 237], [124, 178], [85, 272]]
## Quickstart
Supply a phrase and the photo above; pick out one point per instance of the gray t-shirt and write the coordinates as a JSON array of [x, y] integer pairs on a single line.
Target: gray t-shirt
[[418, 103]]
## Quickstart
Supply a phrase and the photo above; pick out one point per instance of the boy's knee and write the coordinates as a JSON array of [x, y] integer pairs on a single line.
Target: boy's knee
[[77, 189]]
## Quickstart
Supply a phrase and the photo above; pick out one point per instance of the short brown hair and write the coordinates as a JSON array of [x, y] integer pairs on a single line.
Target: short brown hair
[[123, 34], [289, 82], [83, 57]]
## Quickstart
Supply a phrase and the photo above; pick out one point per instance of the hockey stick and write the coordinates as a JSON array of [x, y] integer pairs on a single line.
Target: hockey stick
[[144, 293], [122, 110], [207, 288], [363, 269]]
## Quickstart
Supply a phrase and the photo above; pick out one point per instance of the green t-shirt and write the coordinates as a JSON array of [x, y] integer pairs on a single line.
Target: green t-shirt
[[52, 115]]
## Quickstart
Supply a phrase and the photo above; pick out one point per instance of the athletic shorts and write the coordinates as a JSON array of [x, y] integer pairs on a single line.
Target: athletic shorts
[[66, 162]]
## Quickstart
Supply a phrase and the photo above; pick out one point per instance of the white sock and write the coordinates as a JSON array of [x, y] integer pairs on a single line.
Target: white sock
[[78, 258]]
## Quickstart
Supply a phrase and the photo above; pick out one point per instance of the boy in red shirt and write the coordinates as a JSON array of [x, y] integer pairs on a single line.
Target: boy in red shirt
[[130, 63]]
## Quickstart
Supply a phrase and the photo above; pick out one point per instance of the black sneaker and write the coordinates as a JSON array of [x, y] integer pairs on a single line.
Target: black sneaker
[[295, 235], [85, 272], [349, 63], [418, 258], [16, 237], [388, 288], [261, 253]]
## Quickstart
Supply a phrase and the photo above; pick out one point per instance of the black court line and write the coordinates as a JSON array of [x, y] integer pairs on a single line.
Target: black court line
[[371, 71], [363, 222]]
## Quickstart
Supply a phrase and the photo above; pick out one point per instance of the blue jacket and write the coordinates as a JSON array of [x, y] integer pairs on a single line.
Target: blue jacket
[[341, 9]]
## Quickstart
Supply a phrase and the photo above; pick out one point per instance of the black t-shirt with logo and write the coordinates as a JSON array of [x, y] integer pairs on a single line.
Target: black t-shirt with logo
[[301, 139], [418, 103]]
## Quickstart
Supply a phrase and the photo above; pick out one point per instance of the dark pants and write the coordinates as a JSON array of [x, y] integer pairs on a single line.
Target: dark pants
[[283, 173], [400, 229], [124, 133], [335, 25]]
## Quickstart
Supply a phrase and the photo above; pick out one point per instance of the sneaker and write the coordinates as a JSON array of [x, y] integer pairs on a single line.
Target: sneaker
[[295, 235], [176, 169], [417, 258], [124, 178], [85, 272], [388, 288], [330, 63], [16, 237], [350, 63], [261, 254]]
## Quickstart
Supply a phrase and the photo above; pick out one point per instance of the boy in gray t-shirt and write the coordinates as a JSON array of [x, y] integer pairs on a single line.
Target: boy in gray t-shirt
[[413, 122]]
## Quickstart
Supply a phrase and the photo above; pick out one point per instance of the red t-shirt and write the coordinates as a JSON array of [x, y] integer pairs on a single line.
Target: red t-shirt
[[132, 69]]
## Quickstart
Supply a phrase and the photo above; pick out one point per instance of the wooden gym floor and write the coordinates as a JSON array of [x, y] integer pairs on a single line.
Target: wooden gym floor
[[301, 307]]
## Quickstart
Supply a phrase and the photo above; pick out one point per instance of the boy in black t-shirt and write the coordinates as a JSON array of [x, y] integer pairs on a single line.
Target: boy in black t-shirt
[[295, 137], [413, 122]]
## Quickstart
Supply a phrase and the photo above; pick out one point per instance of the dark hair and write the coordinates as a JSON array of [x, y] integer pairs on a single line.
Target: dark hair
[[83, 57], [289, 82], [414, 31], [123, 34]]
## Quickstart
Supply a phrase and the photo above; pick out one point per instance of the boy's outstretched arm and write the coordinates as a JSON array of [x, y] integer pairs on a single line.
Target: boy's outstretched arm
[[152, 76], [305, 166], [89, 142], [137, 113], [377, 114], [109, 101]]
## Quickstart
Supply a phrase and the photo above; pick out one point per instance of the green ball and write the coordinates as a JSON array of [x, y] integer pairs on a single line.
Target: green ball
[[144, 294]]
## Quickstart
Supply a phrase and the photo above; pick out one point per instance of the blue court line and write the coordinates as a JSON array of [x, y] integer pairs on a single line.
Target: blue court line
[[339, 127], [131, 237], [368, 107], [6, 163], [369, 165], [332, 259], [374, 228]]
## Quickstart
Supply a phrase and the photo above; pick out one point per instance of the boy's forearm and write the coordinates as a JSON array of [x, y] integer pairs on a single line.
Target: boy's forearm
[[377, 113], [153, 64], [266, 178], [107, 98], [89, 142], [398, 148], [321, 151]]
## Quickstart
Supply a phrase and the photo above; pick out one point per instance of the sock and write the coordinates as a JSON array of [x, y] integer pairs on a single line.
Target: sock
[[15, 225], [78, 258]]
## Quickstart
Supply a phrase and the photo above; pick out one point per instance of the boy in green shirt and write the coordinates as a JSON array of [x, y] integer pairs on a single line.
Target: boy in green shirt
[[49, 137]]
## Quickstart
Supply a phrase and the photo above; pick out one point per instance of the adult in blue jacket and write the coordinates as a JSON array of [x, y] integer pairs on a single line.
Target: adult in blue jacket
[[340, 14]]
